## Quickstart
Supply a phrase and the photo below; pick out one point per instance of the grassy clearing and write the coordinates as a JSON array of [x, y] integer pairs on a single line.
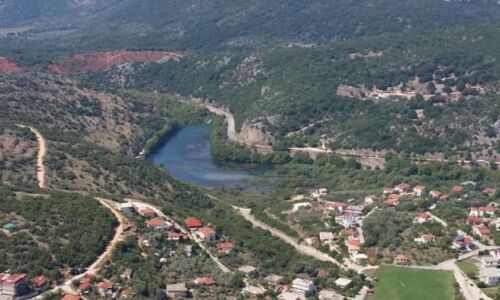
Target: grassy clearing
[[399, 283], [468, 266]]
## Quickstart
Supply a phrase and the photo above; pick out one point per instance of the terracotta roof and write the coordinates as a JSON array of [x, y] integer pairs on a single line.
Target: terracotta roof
[[457, 188], [474, 220], [403, 186], [207, 231], [354, 242], [105, 285], [444, 197], [193, 222], [38, 281], [428, 237], [11, 279], [483, 230], [147, 212], [419, 187], [205, 280], [84, 285], [485, 208], [70, 297], [401, 257], [156, 222], [225, 246]]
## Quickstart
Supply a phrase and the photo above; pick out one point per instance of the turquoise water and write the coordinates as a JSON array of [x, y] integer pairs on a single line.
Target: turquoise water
[[186, 155]]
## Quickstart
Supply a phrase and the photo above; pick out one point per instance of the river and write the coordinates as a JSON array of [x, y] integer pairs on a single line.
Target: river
[[186, 155]]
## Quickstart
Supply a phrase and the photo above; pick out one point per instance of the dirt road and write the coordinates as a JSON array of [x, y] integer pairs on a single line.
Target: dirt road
[[42, 151]]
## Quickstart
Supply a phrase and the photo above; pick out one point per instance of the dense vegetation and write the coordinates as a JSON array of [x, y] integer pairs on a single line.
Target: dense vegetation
[[62, 231]]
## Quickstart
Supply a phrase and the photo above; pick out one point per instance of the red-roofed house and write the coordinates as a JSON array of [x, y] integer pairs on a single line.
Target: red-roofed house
[[193, 222], [205, 281], [207, 233], [13, 284], [39, 283], [481, 230], [444, 197], [435, 194], [490, 191], [473, 220], [463, 243], [457, 189], [176, 236], [402, 187], [426, 238], [419, 190], [84, 286], [401, 259], [422, 218], [393, 200], [71, 297], [353, 245], [147, 212], [225, 247], [105, 287], [482, 211], [158, 223]]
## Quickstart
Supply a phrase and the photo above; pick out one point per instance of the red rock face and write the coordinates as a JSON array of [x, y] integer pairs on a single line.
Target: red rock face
[[104, 60], [8, 67]]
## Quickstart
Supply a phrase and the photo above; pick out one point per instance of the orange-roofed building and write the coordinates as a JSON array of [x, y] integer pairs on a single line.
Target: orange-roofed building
[[157, 223], [457, 189], [207, 233], [401, 259], [225, 247], [193, 222], [147, 212], [205, 281], [71, 297]]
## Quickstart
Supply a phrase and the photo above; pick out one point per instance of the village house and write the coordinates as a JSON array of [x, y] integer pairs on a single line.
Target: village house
[[343, 283], [105, 288], [495, 253], [473, 220], [176, 236], [401, 259], [273, 279], [370, 199], [392, 200], [319, 193], [127, 274], [207, 234], [297, 206], [347, 220], [359, 258], [127, 208], [463, 242], [457, 189], [253, 290], [303, 285], [490, 276], [419, 190], [40, 283], [225, 247], [147, 212], [247, 270], [353, 245], [402, 188], [71, 297], [158, 224], [326, 237], [177, 290], [334, 205], [192, 222], [327, 294], [356, 210], [426, 238], [206, 281], [489, 262], [421, 218], [13, 285], [482, 211], [481, 230], [291, 295], [387, 191], [490, 191], [435, 194]]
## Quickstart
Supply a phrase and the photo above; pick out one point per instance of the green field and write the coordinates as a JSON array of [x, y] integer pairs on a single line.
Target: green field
[[399, 283], [468, 266]]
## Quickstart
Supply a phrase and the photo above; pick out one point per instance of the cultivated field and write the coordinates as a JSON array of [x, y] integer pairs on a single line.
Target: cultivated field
[[399, 283]]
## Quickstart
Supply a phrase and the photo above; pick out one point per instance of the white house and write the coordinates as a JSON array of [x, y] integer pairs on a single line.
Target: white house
[[419, 190], [495, 253], [489, 262], [329, 295], [300, 205], [490, 276], [326, 237], [482, 211], [347, 220], [303, 285], [343, 282], [422, 218]]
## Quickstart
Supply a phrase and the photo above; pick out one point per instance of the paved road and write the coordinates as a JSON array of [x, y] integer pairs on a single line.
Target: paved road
[[141, 204], [42, 151]]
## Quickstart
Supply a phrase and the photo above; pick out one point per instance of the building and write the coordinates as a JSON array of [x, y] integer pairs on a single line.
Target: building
[[456, 189], [426, 238], [127, 274], [290, 295], [319, 193], [481, 230], [176, 236], [482, 211], [490, 191], [359, 258], [370, 199], [247, 270], [297, 206], [40, 283], [253, 290], [490, 276], [354, 209], [489, 262], [273, 279], [127, 208], [177, 290], [326, 237], [147, 212], [207, 234], [444, 197], [422, 218], [158, 224], [207, 281], [393, 200], [193, 222], [435, 194], [473, 220], [334, 205], [402, 188], [353, 245], [388, 191], [343, 282], [225, 247], [71, 297], [105, 288], [463, 242], [419, 190], [13, 285], [495, 253], [401, 259], [303, 285], [326, 294]]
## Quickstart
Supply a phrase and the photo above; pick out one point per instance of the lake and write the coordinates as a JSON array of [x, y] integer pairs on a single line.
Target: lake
[[186, 155]]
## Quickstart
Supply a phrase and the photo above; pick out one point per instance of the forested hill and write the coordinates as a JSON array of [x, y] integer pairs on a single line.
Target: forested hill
[[200, 24], [402, 91]]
